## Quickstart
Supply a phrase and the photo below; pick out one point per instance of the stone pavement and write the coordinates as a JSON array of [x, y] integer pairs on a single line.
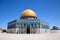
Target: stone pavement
[[45, 36]]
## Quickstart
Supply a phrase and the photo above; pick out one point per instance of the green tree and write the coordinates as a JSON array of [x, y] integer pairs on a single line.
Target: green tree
[[55, 28]]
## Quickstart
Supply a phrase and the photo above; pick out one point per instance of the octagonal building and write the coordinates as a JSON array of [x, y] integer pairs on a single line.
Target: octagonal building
[[28, 23]]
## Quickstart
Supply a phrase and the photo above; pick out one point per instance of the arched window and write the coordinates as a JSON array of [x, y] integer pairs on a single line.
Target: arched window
[[21, 25], [35, 25], [24, 25], [32, 25], [39, 25]]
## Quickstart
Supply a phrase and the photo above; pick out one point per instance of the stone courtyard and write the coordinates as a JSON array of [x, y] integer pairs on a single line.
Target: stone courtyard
[[43, 36]]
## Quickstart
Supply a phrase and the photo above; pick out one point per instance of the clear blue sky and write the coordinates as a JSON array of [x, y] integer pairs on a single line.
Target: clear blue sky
[[47, 10]]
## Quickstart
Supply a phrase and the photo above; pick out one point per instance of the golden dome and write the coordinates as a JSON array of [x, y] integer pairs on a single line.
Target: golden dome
[[28, 12]]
